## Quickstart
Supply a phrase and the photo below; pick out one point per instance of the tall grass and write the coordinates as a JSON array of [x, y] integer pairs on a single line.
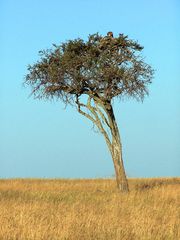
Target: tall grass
[[89, 209]]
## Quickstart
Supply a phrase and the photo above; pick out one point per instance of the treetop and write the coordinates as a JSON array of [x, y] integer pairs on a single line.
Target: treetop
[[103, 67]]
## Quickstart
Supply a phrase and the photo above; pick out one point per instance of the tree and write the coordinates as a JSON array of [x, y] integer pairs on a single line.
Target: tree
[[100, 69]]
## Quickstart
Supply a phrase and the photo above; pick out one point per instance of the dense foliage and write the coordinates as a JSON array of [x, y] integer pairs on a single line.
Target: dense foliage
[[104, 67]]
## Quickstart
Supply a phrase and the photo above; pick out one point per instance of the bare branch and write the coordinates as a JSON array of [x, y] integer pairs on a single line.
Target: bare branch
[[102, 115], [99, 124], [79, 105]]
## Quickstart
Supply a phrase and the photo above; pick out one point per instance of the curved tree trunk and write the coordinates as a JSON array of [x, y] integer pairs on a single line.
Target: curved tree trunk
[[116, 153], [121, 179], [113, 141]]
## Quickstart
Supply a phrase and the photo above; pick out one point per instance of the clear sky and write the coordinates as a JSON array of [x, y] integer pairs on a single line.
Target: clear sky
[[41, 139]]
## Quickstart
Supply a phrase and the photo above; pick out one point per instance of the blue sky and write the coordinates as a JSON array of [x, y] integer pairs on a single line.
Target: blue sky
[[42, 139]]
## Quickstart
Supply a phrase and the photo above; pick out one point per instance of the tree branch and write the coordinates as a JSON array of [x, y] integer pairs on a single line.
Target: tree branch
[[96, 120], [82, 112], [102, 115], [99, 124]]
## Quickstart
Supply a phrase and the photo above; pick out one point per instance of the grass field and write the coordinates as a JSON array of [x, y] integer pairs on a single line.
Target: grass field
[[89, 209]]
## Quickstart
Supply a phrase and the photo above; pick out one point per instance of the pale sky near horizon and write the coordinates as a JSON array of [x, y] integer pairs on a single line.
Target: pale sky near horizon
[[42, 139]]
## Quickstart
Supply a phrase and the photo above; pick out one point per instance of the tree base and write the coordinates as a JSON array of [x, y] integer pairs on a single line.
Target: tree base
[[123, 187]]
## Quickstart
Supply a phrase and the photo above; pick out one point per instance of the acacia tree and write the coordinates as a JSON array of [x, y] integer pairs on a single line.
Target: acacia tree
[[101, 69]]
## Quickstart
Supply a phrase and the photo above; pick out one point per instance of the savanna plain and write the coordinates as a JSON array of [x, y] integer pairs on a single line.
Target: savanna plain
[[57, 209]]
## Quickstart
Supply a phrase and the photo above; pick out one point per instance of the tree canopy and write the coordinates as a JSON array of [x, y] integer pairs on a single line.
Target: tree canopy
[[105, 67]]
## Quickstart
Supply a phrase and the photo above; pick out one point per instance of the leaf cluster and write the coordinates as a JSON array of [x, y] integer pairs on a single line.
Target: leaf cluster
[[102, 66]]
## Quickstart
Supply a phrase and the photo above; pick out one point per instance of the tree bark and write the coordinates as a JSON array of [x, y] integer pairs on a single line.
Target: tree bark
[[116, 152], [121, 178]]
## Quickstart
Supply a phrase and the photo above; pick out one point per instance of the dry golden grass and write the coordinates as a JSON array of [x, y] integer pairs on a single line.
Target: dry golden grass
[[89, 209]]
